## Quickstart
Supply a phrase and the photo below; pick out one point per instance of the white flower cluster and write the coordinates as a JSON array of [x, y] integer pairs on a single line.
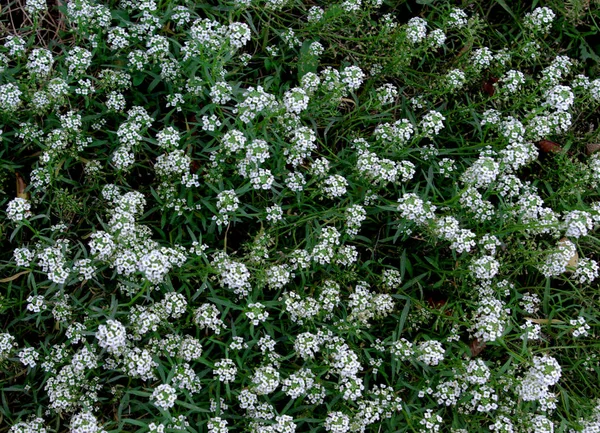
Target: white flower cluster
[[484, 267], [398, 133], [416, 30], [225, 370], [28, 356], [255, 102], [383, 170], [530, 303], [586, 271], [164, 396], [413, 208], [448, 228], [581, 327], [256, 313], [432, 123], [18, 209], [207, 316], [365, 305], [386, 94], [512, 81], [457, 18], [544, 373], [334, 186], [234, 275], [430, 423], [456, 79], [227, 204], [490, 319], [557, 262], [482, 172], [85, 422], [337, 422], [33, 7], [578, 223], [302, 143], [481, 58], [34, 425], [540, 19], [265, 380], [112, 336], [430, 352]]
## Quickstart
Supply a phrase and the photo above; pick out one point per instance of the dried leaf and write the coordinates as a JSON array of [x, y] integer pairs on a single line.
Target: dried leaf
[[592, 148], [194, 166], [21, 187], [476, 347], [543, 321], [13, 277], [573, 261], [488, 86], [549, 146]]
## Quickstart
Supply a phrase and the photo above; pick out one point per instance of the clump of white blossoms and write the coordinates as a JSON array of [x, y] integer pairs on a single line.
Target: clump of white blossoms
[[455, 79], [256, 313], [557, 261], [234, 275], [482, 172], [337, 422], [512, 81], [430, 352], [28, 356], [430, 423], [33, 7], [265, 380], [413, 208], [207, 316], [490, 319], [559, 98], [295, 100], [164, 396], [416, 30], [217, 425], [540, 20], [481, 58], [352, 77], [587, 271], [530, 303], [227, 203], [334, 186], [534, 386], [581, 328], [112, 336], [432, 123], [7, 344], [365, 305], [225, 370], [578, 223], [18, 209], [484, 267], [386, 94], [85, 422], [34, 425], [457, 18]]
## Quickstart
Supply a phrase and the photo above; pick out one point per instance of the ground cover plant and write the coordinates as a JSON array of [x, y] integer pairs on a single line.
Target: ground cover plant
[[286, 216]]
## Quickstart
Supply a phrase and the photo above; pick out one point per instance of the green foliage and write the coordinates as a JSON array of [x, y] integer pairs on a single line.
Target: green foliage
[[279, 216]]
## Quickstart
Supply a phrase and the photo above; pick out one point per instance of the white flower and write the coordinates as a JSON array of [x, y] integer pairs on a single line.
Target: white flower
[[112, 336], [430, 352], [164, 396], [265, 380], [18, 209]]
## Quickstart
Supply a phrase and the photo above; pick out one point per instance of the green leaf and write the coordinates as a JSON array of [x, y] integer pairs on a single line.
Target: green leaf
[[307, 61]]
